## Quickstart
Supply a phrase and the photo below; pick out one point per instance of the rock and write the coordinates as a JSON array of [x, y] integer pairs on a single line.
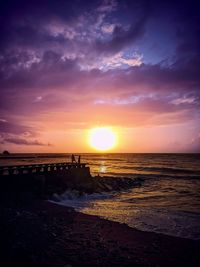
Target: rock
[[6, 153]]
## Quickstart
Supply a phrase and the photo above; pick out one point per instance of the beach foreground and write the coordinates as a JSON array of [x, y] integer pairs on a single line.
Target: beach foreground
[[46, 234]]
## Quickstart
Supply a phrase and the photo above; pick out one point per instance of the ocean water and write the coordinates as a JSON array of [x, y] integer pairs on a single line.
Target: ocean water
[[167, 201]]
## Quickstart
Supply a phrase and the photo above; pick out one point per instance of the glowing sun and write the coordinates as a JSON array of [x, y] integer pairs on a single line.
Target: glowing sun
[[102, 138]]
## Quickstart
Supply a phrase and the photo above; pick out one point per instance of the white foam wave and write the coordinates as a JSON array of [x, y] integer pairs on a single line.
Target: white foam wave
[[78, 201]]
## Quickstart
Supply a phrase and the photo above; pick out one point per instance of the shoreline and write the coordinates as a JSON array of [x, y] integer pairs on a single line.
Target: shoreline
[[122, 223], [48, 234]]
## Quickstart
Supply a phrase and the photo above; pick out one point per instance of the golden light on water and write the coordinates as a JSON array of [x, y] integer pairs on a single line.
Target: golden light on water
[[102, 138]]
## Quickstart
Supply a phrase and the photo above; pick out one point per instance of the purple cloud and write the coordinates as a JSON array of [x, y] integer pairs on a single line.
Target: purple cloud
[[14, 128], [20, 141], [121, 38]]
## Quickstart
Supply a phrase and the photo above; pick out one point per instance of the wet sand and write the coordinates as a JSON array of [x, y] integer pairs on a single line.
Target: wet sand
[[47, 234]]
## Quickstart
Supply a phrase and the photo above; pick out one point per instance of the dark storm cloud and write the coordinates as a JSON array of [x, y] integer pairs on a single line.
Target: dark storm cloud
[[23, 22], [139, 12], [16, 74], [121, 38], [22, 19], [26, 23]]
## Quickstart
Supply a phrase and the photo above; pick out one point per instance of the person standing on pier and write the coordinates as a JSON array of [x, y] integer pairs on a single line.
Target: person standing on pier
[[73, 158], [79, 159]]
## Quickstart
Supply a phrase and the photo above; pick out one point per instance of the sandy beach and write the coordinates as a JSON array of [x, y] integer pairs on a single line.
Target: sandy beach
[[42, 233]]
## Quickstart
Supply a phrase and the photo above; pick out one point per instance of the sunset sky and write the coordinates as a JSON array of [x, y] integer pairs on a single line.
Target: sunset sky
[[69, 66]]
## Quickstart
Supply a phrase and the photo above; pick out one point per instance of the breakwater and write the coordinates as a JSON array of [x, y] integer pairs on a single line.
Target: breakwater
[[39, 168], [47, 179]]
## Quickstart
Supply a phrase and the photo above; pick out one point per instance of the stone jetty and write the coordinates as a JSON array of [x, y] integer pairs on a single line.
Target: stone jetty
[[46, 179]]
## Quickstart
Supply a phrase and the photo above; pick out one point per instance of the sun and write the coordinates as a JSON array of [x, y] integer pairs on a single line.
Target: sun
[[102, 138]]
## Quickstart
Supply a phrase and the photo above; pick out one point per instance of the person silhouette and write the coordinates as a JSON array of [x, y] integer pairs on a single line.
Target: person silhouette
[[73, 158], [79, 159]]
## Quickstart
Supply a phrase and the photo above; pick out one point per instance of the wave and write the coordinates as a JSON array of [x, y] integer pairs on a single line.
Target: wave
[[163, 169], [144, 176], [74, 199], [167, 176], [75, 195]]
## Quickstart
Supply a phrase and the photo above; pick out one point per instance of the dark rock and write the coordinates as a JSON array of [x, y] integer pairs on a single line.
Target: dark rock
[[6, 153]]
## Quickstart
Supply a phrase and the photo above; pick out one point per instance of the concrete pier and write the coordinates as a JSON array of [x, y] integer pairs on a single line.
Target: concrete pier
[[39, 168], [45, 178]]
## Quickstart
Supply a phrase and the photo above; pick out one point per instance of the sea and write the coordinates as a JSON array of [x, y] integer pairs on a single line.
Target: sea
[[166, 201]]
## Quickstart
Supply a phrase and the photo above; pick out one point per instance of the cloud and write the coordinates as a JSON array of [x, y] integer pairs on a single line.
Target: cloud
[[184, 100], [14, 128], [107, 6], [119, 60], [60, 85], [121, 38], [18, 134], [108, 28], [21, 141]]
